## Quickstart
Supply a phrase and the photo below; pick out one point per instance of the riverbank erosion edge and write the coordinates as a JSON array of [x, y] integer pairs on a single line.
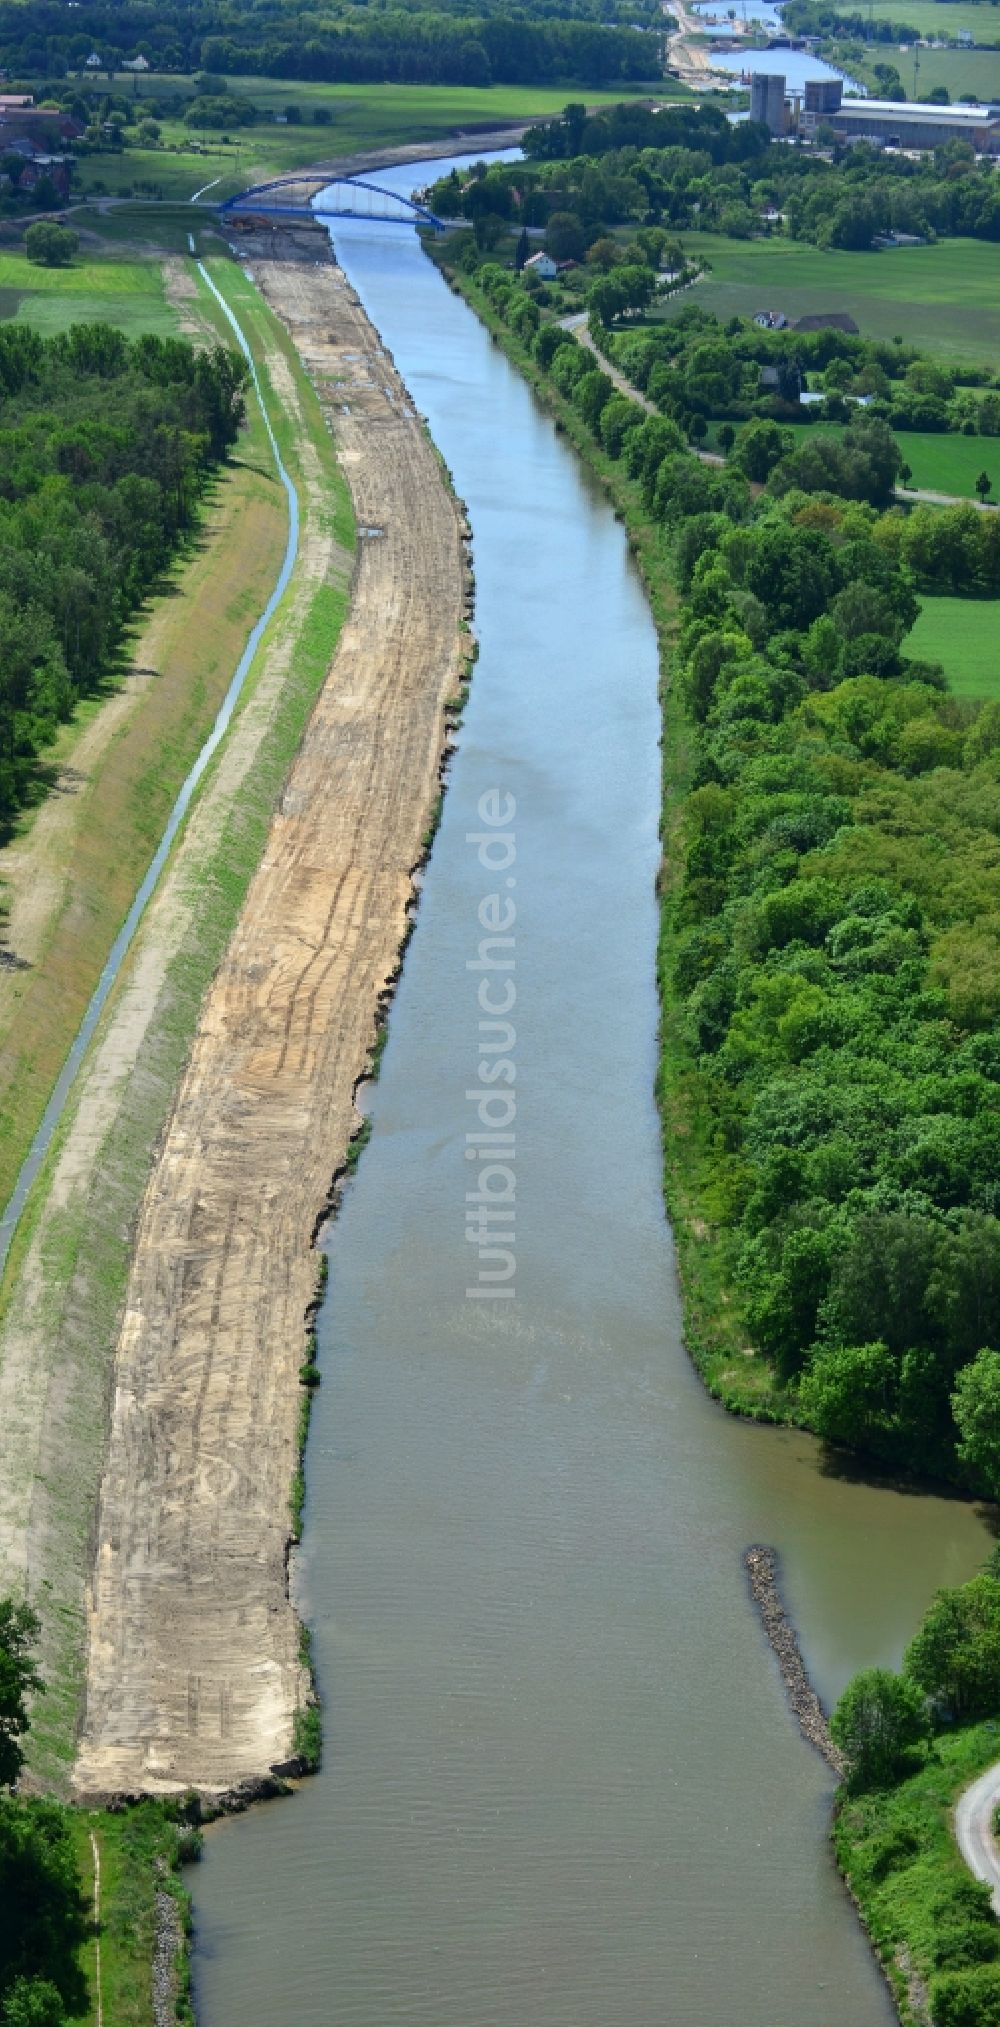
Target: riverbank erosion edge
[[195, 1660]]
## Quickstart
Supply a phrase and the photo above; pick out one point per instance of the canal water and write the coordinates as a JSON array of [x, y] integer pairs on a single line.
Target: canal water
[[796, 66], [561, 1786]]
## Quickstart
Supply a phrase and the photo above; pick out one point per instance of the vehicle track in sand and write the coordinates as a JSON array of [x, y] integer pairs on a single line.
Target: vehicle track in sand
[[194, 1670]]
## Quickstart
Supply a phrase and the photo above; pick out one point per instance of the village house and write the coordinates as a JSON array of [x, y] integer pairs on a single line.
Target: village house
[[543, 265]]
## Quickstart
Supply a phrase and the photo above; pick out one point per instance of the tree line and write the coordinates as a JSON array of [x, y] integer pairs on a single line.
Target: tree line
[[498, 42], [688, 167], [831, 955], [106, 446]]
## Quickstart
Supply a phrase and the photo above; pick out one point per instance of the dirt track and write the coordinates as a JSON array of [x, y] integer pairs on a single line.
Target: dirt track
[[194, 1674]]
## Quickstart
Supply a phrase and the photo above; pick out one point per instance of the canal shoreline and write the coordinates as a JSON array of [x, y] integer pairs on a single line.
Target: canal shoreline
[[702, 1311], [733, 1375]]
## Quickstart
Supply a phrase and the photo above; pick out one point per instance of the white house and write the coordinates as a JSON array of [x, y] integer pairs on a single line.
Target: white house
[[543, 265]]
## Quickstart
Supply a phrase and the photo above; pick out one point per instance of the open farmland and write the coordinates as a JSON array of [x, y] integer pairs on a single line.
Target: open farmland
[[127, 293], [962, 634], [941, 17], [945, 298], [362, 117], [950, 464], [961, 71]]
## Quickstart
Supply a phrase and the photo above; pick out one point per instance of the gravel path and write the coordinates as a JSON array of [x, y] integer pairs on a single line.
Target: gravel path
[[974, 1829]]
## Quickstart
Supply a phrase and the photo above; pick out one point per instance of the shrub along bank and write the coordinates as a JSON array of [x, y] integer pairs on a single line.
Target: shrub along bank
[[915, 1741], [830, 953]]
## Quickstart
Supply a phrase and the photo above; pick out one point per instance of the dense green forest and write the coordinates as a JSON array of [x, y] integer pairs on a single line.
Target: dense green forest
[[493, 42], [687, 166], [831, 957], [105, 448]]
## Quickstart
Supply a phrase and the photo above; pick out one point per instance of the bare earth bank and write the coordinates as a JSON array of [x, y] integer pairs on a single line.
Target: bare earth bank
[[194, 1671]]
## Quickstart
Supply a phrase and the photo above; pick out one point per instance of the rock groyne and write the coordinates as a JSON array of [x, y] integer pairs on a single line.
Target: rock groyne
[[761, 1565]]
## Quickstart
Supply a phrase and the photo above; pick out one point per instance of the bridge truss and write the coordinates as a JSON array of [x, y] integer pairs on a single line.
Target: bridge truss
[[338, 197]]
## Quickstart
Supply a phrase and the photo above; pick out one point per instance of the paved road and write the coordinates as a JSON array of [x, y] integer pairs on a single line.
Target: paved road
[[974, 1829]]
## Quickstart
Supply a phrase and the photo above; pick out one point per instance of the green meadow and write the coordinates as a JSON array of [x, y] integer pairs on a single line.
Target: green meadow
[[940, 17], [963, 634], [961, 71], [946, 298], [128, 293], [950, 464], [361, 117]]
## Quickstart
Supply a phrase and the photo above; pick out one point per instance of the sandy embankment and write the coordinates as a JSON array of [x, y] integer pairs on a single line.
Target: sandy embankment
[[194, 1674]]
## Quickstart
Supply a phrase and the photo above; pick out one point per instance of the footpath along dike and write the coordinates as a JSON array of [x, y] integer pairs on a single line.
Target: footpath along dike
[[195, 1668]]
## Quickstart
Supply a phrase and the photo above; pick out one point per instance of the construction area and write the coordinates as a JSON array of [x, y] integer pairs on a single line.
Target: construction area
[[194, 1667]]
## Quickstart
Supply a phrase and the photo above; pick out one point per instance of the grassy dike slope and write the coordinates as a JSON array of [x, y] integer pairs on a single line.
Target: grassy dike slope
[[68, 1266], [743, 1383]]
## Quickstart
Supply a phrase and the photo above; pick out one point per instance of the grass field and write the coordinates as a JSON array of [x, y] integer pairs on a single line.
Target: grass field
[[940, 17], [945, 298], [128, 293], [362, 117], [961, 70], [963, 634], [950, 464]]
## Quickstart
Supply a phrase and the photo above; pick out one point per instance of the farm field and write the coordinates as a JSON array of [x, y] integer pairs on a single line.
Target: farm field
[[961, 71], [362, 117], [127, 293], [963, 634], [946, 298], [941, 17], [950, 464], [965, 73]]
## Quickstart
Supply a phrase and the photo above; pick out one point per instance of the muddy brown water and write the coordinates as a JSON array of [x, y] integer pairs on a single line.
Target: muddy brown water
[[561, 1785]]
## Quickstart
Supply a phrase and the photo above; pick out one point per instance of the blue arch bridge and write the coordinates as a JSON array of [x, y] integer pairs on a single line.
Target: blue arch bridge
[[317, 196]]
